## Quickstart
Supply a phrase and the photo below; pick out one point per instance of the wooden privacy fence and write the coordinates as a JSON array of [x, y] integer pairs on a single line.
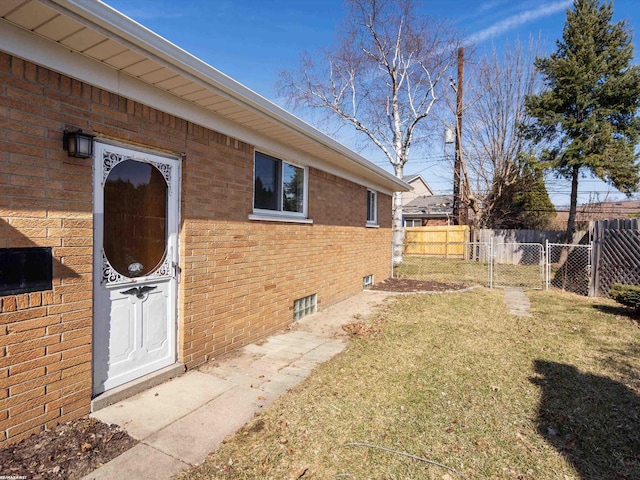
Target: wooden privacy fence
[[444, 241], [616, 254]]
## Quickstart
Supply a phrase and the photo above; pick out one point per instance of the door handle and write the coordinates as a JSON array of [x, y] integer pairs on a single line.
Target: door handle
[[176, 270], [138, 291]]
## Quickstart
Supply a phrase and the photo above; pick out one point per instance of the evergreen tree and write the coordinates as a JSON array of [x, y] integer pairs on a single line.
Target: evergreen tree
[[532, 200], [586, 115], [524, 203]]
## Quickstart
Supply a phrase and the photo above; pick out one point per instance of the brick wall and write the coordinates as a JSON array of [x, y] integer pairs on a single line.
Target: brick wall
[[45, 200], [239, 277]]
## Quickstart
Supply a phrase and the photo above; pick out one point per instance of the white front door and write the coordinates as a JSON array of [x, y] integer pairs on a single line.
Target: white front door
[[136, 206]]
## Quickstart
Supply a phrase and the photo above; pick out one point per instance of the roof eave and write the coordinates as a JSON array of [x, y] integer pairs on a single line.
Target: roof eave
[[145, 40]]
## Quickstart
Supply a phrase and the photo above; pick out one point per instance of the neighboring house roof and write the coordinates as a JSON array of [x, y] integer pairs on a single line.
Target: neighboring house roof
[[601, 211], [412, 179], [90, 41], [409, 178], [430, 206]]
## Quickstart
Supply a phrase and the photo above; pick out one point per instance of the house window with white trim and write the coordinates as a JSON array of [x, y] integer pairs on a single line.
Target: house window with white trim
[[412, 222], [279, 186], [372, 207]]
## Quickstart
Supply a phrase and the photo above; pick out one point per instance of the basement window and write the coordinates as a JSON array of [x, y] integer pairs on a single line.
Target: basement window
[[304, 306], [367, 281]]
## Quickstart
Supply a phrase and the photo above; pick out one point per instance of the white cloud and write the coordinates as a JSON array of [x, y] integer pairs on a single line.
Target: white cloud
[[491, 4], [519, 19]]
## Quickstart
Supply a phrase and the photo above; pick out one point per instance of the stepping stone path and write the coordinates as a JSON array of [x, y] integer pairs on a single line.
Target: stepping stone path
[[517, 302]]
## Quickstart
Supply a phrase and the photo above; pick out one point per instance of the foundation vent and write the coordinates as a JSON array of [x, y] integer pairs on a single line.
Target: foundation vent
[[367, 281]]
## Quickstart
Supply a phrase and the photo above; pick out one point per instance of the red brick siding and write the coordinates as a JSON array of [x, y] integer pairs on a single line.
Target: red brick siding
[[239, 277]]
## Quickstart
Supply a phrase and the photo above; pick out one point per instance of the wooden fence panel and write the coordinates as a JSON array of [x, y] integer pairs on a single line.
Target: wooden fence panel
[[438, 241], [616, 254]]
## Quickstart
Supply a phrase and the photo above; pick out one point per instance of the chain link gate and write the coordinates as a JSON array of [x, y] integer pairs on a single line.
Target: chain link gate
[[569, 267], [518, 265]]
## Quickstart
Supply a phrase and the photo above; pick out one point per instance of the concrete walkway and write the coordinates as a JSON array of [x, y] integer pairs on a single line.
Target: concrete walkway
[[517, 301], [181, 421]]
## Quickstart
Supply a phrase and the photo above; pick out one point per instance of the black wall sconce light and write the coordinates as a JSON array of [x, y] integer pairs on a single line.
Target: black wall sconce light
[[78, 144]]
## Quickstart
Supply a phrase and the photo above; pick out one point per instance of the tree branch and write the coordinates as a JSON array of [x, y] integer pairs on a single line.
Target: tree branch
[[426, 460]]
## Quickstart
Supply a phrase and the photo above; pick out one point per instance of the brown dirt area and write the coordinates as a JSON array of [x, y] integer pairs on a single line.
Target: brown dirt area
[[406, 285], [362, 329], [68, 451], [365, 329]]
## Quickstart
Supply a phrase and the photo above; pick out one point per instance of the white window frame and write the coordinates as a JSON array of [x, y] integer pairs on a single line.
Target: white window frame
[[372, 208], [280, 214]]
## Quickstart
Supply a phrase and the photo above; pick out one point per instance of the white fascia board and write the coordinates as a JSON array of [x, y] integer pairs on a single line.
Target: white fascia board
[[31, 47], [151, 44]]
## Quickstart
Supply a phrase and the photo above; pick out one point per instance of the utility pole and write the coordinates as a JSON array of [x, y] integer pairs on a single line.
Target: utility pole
[[460, 213]]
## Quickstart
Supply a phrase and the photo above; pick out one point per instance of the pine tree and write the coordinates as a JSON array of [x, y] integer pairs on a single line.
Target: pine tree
[[524, 203], [586, 115], [532, 200]]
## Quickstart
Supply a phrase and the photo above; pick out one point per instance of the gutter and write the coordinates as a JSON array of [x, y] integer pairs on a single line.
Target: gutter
[[111, 23]]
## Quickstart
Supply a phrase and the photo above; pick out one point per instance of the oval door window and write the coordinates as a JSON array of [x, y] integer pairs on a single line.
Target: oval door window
[[135, 218]]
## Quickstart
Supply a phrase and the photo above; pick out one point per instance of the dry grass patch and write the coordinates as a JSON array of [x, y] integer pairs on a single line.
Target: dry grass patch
[[458, 380], [443, 270]]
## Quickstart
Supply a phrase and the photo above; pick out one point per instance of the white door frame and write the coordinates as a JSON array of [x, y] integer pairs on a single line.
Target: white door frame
[[107, 282]]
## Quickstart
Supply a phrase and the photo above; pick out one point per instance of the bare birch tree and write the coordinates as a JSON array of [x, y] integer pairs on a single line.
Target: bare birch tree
[[381, 78]]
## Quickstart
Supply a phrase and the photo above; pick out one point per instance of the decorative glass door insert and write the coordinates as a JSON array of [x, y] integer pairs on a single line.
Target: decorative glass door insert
[[135, 215]]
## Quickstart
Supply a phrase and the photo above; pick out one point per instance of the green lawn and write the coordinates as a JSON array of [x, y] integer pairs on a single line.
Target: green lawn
[[458, 380]]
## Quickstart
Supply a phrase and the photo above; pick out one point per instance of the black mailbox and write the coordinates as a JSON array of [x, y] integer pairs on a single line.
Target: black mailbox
[[24, 270]]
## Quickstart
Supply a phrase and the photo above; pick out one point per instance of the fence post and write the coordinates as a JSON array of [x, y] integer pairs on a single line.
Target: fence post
[[392, 265], [491, 264], [598, 239], [547, 269], [595, 261], [591, 292], [446, 245]]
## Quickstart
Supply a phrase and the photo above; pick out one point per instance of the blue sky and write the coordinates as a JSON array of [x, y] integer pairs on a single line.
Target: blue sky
[[253, 40]]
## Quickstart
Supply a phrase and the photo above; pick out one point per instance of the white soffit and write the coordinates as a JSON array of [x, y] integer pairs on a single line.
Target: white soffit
[[99, 32]]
